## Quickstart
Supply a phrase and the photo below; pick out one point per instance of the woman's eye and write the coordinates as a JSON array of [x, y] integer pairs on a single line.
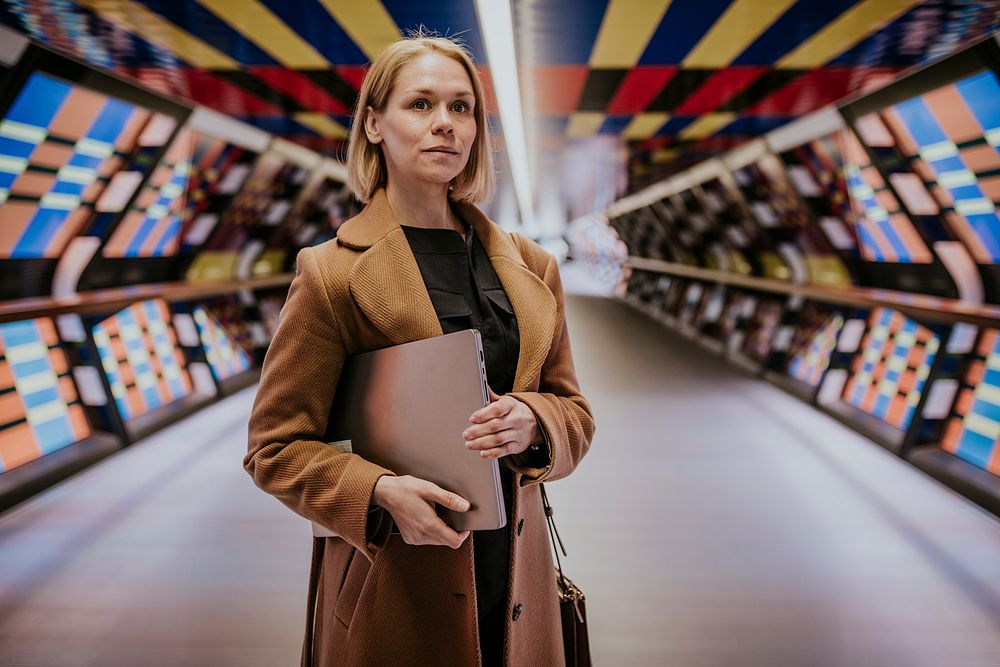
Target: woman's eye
[[421, 105], [461, 107]]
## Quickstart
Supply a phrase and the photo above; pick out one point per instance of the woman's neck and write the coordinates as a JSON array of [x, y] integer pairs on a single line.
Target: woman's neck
[[426, 206]]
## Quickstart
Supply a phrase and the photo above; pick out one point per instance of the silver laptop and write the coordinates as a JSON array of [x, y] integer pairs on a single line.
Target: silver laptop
[[405, 408]]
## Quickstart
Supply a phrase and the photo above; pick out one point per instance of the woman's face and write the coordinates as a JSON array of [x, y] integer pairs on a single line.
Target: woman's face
[[428, 125]]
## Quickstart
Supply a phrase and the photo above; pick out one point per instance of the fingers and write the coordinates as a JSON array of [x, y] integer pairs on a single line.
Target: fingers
[[498, 408], [452, 501], [493, 440], [509, 447]]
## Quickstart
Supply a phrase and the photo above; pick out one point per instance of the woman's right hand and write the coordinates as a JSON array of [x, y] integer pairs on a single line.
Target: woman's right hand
[[411, 502]]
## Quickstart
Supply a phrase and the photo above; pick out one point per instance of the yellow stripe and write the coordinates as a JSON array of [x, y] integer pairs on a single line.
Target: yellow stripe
[[707, 124], [850, 28], [625, 31], [982, 425], [584, 124], [366, 22], [645, 125], [256, 22], [742, 23], [988, 393], [155, 29], [665, 154], [322, 124]]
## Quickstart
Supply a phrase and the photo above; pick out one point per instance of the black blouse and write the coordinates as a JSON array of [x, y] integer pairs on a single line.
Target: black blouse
[[467, 294]]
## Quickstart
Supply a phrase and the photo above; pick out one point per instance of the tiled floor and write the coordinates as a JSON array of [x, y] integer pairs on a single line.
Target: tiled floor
[[716, 522]]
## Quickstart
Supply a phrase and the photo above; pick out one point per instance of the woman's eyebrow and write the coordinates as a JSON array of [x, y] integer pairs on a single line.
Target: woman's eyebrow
[[428, 91]]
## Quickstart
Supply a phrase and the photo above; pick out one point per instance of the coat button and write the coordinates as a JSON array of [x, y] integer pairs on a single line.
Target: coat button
[[517, 611], [520, 526]]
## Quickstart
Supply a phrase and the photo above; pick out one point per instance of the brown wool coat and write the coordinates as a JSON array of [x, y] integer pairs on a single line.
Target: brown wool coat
[[378, 600]]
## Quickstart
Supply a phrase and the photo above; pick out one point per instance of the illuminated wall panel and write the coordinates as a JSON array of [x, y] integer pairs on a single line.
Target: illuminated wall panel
[[812, 346], [39, 409], [951, 135], [889, 372], [152, 225], [765, 322], [885, 232], [973, 431], [225, 354], [59, 143], [139, 352]]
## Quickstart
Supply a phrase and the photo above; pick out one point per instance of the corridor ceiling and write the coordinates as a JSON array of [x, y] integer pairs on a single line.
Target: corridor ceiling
[[675, 80]]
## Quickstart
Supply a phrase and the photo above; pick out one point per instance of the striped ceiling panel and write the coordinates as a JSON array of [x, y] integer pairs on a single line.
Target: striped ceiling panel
[[677, 79], [682, 79]]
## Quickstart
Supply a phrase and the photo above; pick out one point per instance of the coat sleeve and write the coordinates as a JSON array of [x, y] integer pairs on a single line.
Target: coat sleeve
[[286, 453], [563, 414]]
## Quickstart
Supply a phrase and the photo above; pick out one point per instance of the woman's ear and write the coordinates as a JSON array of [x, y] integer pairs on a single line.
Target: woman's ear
[[371, 126]]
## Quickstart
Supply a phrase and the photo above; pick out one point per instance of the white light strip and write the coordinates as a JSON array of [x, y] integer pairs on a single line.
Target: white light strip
[[497, 29]]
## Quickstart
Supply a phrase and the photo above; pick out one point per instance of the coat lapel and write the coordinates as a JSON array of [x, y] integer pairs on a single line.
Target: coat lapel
[[386, 283]]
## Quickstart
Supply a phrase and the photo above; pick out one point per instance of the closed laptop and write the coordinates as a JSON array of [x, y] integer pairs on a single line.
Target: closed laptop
[[405, 408]]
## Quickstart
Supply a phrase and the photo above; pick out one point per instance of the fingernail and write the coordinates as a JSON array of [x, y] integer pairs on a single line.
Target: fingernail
[[464, 505]]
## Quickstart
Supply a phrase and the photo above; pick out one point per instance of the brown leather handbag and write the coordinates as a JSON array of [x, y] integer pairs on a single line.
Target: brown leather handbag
[[572, 603]]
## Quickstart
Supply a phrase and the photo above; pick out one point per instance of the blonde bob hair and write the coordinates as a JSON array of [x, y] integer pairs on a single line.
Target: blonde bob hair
[[366, 170]]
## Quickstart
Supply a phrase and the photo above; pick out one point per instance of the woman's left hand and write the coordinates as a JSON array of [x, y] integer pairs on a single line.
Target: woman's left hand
[[505, 426]]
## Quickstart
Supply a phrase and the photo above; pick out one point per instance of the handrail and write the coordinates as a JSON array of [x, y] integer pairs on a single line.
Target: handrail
[[918, 306], [110, 300]]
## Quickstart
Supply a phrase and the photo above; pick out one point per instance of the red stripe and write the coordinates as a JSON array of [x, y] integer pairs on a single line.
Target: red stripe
[[558, 88], [639, 88], [300, 88], [817, 88], [719, 89]]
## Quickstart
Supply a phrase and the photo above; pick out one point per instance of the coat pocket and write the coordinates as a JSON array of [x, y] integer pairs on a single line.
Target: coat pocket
[[350, 591]]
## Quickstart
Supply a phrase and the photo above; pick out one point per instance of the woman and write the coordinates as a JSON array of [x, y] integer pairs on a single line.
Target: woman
[[417, 262]]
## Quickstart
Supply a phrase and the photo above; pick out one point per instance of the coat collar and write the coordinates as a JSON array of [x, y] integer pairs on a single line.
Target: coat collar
[[386, 283]]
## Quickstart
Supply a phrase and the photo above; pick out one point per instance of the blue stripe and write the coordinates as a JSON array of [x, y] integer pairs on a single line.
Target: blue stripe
[[315, 25], [68, 188], [447, 17], [28, 367], [992, 377], [966, 192], [881, 406], [40, 231], [975, 448], [123, 407], [39, 101], [205, 25], [953, 163], [684, 24], [920, 121], [140, 236], [986, 226], [614, 124], [982, 94], [19, 333], [16, 148], [754, 126], [868, 241], [85, 161], [890, 232], [567, 30], [795, 26], [7, 179], [41, 397], [986, 409], [152, 396], [54, 435], [110, 121], [168, 237]]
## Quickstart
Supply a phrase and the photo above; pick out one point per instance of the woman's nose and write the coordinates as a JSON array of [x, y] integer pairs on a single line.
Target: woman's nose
[[442, 122]]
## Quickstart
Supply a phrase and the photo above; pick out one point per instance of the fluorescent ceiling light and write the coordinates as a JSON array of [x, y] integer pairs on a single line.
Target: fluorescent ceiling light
[[497, 29]]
